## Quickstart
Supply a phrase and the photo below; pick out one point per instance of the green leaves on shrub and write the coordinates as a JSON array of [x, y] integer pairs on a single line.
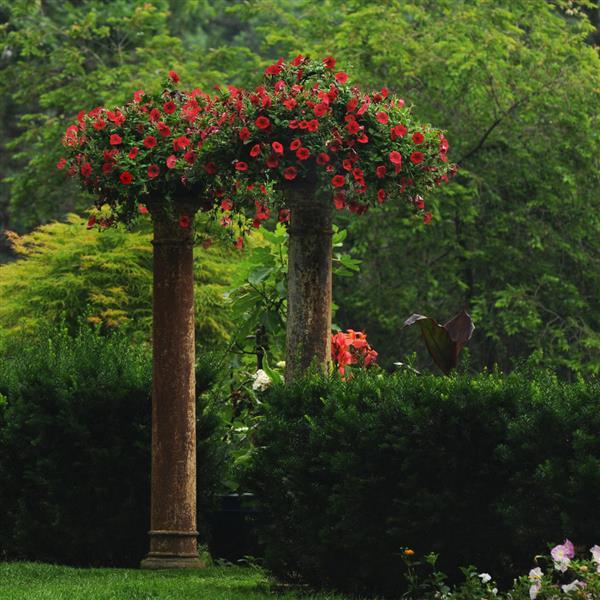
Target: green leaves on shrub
[[484, 471]]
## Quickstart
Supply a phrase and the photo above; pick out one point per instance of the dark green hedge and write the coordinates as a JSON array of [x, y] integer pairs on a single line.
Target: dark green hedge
[[483, 470], [75, 451]]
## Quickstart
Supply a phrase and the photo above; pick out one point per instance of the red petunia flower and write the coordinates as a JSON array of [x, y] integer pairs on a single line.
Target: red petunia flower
[[398, 131], [329, 62], [321, 109], [126, 178], [239, 243], [339, 200], [153, 171], [171, 161], [184, 221], [353, 127], [115, 139], [61, 164], [240, 165], [262, 122], [226, 204], [154, 115], [169, 107], [295, 144], [107, 168], [290, 173], [284, 215], [303, 153], [244, 134], [209, 167], [99, 124], [380, 171], [181, 142], [341, 77], [163, 129], [174, 77], [419, 202], [86, 169], [149, 142], [338, 181], [323, 158], [396, 158], [290, 103], [142, 209], [277, 148], [137, 96], [272, 162], [417, 157], [427, 218], [382, 117], [133, 152], [380, 196], [312, 125], [418, 138], [189, 157], [255, 150], [362, 138]]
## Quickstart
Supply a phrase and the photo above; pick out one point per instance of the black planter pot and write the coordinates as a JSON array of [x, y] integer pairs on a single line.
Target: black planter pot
[[233, 528]]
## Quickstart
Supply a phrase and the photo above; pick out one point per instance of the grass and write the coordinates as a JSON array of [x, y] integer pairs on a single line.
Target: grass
[[36, 581]]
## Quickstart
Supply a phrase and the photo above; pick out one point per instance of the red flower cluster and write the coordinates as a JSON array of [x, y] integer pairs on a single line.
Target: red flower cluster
[[351, 348], [145, 151], [305, 122]]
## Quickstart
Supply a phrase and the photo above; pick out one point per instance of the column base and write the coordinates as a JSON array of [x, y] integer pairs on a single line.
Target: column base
[[172, 562]]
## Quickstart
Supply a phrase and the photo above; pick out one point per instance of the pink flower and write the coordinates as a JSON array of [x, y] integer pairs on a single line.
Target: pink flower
[[562, 555], [171, 161]]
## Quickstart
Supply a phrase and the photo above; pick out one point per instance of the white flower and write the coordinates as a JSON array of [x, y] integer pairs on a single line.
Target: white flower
[[535, 575], [571, 587], [485, 577], [534, 590], [261, 381]]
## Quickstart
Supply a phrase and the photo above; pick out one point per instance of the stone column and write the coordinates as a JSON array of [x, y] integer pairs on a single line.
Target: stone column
[[308, 333], [173, 534]]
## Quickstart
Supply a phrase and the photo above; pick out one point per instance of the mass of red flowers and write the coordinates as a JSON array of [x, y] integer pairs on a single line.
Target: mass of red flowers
[[144, 153], [351, 348], [307, 123], [239, 151]]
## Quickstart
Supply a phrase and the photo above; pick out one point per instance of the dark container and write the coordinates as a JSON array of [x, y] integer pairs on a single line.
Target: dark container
[[233, 528]]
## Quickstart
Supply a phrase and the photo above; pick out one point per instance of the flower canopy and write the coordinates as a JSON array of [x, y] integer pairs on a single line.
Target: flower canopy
[[146, 151], [239, 151], [307, 123]]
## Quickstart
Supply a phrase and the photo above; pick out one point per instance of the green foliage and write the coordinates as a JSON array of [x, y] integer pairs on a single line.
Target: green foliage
[[66, 273], [514, 236], [259, 292], [483, 470], [75, 450]]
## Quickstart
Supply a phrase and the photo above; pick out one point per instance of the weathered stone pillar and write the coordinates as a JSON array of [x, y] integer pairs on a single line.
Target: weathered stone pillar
[[308, 333], [173, 532]]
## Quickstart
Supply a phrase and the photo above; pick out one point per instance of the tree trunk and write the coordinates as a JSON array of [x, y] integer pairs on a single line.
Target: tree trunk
[[173, 534], [308, 333]]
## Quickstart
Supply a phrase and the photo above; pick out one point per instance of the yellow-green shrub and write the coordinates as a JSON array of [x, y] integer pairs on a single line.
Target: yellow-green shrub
[[65, 272]]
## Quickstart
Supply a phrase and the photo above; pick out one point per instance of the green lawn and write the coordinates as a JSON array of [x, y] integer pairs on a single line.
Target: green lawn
[[34, 581]]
